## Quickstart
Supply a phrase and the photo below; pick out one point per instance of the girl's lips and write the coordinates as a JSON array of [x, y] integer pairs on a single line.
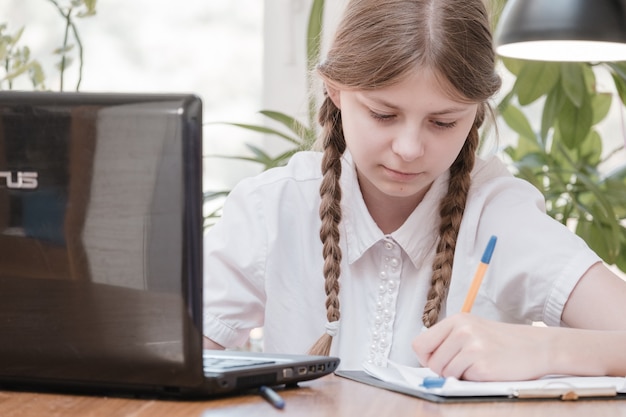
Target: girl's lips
[[399, 175]]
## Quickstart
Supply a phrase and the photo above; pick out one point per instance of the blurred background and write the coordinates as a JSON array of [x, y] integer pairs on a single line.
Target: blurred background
[[210, 48], [244, 56]]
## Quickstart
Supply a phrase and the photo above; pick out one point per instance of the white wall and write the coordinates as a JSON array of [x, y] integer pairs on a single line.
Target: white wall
[[284, 68]]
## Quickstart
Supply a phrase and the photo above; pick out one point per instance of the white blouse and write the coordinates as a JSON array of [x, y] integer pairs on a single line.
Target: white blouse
[[263, 263]]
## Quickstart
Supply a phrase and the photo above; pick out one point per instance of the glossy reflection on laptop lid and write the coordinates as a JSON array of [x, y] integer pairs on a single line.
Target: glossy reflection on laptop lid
[[101, 249]]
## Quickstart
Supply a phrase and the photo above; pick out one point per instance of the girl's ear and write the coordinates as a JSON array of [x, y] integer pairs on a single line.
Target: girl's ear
[[334, 95]]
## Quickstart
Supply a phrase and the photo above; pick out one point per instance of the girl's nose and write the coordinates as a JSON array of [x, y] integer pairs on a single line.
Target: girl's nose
[[408, 145]]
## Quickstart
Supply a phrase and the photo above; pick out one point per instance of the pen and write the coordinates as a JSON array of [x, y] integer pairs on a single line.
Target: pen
[[272, 397], [478, 277]]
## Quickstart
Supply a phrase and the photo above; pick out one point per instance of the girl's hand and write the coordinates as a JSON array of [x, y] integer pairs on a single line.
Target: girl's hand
[[469, 347]]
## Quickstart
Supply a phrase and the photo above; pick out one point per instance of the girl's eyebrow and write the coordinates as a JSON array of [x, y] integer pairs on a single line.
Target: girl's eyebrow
[[380, 101], [449, 110]]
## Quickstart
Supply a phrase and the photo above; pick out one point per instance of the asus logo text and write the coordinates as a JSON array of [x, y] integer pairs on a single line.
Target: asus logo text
[[19, 180]]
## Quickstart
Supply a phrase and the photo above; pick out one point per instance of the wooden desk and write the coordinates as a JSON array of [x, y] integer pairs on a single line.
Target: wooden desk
[[329, 396]]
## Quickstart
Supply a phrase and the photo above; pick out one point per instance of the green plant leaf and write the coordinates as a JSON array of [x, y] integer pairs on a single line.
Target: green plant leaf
[[62, 50], [284, 157], [595, 234], [551, 109], [261, 156], [618, 68], [590, 150], [614, 186], [574, 122], [573, 82], [17, 36], [620, 262], [620, 86], [212, 195], [37, 75], [262, 129], [600, 104], [90, 7], [514, 66], [531, 177], [314, 33], [304, 133], [605, 209], [589, 76], [618, 174], [530, 167], [65, 62], [15, 73], [517, 121], [604, 231], [535, 79]]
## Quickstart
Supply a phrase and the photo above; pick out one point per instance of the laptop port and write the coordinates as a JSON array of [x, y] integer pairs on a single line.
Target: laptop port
[[321, 367], [302, 370]]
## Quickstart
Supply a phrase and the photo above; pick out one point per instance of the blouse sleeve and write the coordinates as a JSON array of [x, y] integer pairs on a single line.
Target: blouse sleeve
[[537, 261], [234, 264]]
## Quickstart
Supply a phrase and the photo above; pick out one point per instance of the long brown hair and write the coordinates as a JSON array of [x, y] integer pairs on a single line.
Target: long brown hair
[[377, 43]]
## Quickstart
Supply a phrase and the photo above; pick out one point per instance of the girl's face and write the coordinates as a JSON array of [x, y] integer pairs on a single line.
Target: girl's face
[[404, 136]]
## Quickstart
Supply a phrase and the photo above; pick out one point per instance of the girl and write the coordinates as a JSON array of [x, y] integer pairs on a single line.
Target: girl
[[379, 234]]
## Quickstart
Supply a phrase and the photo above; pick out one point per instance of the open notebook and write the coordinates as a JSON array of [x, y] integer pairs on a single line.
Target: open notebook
[[101, 250], [425, 384]]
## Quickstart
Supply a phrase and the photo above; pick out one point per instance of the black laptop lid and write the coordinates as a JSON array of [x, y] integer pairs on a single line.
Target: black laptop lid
[[100, 239]]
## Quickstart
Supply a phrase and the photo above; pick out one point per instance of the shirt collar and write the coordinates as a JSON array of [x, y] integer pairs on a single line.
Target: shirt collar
[[416, 236]]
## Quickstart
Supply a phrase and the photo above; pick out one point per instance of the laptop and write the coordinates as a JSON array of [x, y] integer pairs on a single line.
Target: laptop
[[101, 234]]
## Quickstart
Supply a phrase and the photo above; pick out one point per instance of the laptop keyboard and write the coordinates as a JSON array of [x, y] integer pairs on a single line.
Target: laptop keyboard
[[216, 364]]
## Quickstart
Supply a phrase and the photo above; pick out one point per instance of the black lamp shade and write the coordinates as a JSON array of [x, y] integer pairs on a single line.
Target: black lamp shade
[[563, 30]]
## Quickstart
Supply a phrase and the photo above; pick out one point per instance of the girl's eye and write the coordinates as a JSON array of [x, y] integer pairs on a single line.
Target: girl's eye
[[444, 125], [382, 117]]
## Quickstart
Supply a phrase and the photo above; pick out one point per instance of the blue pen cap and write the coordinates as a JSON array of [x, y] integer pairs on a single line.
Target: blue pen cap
[[433, 382], [489, 250]]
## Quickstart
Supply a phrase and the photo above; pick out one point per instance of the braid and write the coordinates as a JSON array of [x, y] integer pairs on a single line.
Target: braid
[[330, 213], [451, 213]]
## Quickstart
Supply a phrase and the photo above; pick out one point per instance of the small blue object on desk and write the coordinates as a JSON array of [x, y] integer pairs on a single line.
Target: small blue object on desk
[[272, 397], [433, 382]]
